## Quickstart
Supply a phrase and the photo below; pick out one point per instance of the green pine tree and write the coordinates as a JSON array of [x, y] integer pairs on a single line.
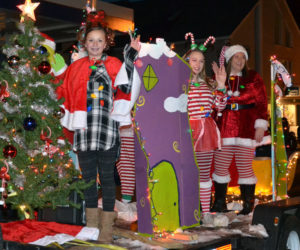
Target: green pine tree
[[36, 170]]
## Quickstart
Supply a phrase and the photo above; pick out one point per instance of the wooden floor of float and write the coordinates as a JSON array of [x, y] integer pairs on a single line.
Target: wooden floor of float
[[192, 238]]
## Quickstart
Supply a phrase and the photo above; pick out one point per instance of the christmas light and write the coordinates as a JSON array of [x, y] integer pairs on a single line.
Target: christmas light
[[154, 181], [24, 209]]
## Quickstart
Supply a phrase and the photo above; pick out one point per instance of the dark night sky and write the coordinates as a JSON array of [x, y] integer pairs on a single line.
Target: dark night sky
[[167, 19], [172, 19]]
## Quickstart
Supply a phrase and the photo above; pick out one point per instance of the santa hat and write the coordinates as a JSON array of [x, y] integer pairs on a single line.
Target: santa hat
[[49, 41], [222, 55], [233, 50]]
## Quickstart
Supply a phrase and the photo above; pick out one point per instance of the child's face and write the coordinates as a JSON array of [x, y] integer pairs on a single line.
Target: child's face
[[196, 62], [95, 43]]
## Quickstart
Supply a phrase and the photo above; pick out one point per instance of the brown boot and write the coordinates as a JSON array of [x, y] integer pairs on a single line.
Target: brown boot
[[92, 217], [107, 220]]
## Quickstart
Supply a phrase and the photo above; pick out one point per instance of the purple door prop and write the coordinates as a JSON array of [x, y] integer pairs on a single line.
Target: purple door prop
[[163, 140]]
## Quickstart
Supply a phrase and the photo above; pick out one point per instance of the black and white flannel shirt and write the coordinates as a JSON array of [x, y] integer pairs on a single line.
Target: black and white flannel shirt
[[102, 132]]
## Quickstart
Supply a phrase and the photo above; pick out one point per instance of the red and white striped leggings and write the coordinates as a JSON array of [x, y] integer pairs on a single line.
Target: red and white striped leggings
[[243, 159], [204, 161], [126, 165]]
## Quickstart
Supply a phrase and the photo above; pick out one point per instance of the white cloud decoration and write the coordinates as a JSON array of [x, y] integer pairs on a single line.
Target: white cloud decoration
[[156, 50], [173, 104]]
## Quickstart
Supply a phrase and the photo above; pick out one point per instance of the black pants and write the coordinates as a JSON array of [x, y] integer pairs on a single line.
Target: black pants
[[102, 162]]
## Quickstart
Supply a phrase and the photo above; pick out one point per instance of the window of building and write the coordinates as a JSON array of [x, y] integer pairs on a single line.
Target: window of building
[[282, 33], [288, 37], [278, 28]]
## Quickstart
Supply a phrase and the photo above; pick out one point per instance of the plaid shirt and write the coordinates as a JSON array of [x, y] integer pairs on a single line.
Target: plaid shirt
[[102, 132]]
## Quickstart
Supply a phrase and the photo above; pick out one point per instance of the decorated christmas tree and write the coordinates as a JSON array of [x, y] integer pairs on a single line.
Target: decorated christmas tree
[[36, 170]]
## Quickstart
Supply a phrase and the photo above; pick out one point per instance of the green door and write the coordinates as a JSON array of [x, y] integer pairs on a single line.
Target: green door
[[164, 200]]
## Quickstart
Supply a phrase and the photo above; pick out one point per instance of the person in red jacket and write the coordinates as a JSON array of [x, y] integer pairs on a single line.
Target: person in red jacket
[[242, 125], [89, 91]]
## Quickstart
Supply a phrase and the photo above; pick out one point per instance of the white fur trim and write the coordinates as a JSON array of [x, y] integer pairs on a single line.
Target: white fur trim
[[156, 50], [236, 74], [50, 44], [79, 120], [121, 112], [246, 142], [60, 71], [233, 50], [246, 181], [261, 123], [239, 141], [206, 184], [76, 120], [122, 108], [221, 179], [127, 132], [122, 77]]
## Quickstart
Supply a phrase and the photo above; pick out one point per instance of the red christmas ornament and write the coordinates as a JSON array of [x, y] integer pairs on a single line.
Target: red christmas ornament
[[7, 177], [44, 67], [170, 62], [138, 63], [4, 175], [3, 171], [9, 151], [3, 91]]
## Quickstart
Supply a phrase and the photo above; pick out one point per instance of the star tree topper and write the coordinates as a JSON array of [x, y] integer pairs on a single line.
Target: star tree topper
[[28, 9]]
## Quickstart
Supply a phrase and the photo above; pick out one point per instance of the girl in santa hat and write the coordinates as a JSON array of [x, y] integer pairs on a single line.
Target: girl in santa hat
[[242, 125], [204, 96], [89, 91]]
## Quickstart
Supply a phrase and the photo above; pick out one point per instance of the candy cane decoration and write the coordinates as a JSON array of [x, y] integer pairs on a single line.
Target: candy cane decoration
[[45, 136], [203, 47], [210, 39], [280, 69], [191, 35]]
